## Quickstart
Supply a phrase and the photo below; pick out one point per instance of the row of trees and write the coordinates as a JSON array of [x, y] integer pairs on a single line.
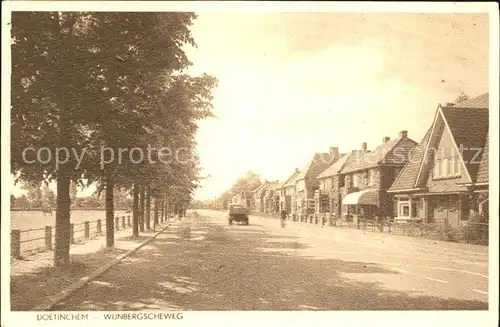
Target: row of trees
[[83, 82], [246, 183], [45, 198]]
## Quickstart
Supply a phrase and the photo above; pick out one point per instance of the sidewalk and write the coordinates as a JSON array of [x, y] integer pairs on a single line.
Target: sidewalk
[[34, 279]]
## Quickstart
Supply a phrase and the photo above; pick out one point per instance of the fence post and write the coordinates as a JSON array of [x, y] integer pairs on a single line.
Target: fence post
[[117, 223], [99, 227], [15, 243], [48, 237], [87, 230], [128, 221], [71, 233], [124, 226]]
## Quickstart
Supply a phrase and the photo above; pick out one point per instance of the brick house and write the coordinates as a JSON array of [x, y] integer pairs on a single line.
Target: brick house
[[244, 198], [329, 196], [306, 182], [286, 191], [446, 179], [367, 179], [258, 196], [270, 203]]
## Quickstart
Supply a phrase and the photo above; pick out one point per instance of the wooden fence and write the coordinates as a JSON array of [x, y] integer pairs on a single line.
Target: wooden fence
[[30, 241], [468, 231]]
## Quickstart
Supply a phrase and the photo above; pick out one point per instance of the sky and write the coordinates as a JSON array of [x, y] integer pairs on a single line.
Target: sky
[[291, 84]]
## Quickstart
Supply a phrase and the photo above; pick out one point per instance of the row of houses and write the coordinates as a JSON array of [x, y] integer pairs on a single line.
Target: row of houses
[[442, 178]]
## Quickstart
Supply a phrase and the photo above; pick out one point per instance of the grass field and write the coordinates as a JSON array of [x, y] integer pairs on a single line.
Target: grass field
[[32, 225]]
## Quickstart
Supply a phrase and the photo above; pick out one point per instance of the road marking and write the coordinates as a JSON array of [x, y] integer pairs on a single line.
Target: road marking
[[437, 280], [411, 257], [482, 292], [462, 271], [427, 267]]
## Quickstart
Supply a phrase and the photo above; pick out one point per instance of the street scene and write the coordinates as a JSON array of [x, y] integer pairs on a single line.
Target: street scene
[[175, 161], [262, 266]]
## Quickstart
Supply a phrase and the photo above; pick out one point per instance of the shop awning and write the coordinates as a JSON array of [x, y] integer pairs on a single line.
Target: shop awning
[[365, 197]]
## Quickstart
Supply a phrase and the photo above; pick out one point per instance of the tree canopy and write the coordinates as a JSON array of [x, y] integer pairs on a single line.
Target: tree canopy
[[87, 85]]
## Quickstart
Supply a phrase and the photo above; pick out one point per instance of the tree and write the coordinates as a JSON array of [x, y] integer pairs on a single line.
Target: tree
[[248, 182], [48, 106], [461, 98], [48, 197], [34, 194], [84, 81], [73, 191]]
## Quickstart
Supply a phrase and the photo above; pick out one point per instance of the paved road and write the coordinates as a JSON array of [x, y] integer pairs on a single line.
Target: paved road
[[204, 264]]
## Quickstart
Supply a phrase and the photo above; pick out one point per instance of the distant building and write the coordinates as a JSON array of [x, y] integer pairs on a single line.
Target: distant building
[[271, 203], [365, 181], [286, 191], [306, 183]]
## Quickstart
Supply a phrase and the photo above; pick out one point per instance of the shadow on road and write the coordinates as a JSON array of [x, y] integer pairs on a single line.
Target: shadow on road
[[29, 289], [221, 270]]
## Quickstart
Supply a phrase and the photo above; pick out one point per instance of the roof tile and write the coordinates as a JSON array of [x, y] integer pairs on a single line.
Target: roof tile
[[469, 128], [408, 175]]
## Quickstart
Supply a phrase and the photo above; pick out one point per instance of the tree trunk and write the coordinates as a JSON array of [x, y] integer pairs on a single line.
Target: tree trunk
[[110, 212], [156, 211], [141, 216], [166, 207], [162, 211], [148, 207], [62, 230], [135, 212]]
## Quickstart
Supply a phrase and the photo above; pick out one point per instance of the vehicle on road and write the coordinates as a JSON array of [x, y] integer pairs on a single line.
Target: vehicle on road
[[238, 213]]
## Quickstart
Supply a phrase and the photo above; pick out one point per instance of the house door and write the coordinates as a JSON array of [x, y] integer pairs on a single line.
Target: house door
[[452, 211]]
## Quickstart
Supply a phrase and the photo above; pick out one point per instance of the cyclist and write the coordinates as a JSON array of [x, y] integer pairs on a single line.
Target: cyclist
[[283, 217]]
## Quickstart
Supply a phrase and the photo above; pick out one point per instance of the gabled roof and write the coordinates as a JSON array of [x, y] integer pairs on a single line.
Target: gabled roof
[[483, 174], [469, 129], [407, 178], [292, 179], [271, 187], [258, 188], [481, 101], [336, 167], [383, 154], [316, 161]]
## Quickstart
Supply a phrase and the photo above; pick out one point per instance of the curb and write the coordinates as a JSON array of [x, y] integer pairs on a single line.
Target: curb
[[51, 302]]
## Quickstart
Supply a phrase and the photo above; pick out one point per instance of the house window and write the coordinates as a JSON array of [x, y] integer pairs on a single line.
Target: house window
[[355, 180], [371, 177], [342, 181], [405, 210], [445, 167], [456, 164]]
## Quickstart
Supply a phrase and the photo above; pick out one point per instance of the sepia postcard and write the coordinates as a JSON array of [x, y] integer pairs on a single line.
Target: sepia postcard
[[211, 163]]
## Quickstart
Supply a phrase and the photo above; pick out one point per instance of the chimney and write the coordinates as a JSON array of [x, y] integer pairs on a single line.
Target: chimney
[[364, 146], [296, 170], [334, 154], [403, 134], [386, 139]]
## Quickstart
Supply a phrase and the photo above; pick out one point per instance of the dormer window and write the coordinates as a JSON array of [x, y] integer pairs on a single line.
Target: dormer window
[[446, 166]]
